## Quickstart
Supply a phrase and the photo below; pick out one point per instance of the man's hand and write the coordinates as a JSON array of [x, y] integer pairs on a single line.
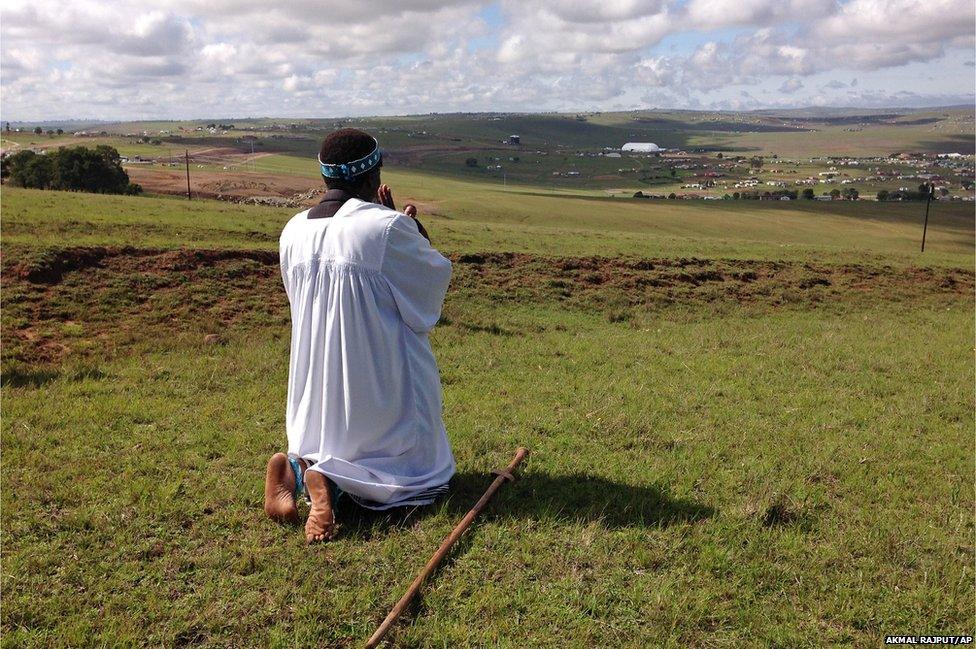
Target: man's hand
[[385, 197]]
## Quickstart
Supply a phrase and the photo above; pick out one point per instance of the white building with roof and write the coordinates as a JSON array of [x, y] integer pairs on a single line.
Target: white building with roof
[[641, 147]]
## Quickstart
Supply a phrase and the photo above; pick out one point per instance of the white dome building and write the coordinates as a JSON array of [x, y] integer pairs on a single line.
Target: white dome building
[[641, 147]]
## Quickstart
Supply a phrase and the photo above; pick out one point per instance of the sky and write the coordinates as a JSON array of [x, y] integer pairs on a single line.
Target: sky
[[183, 59]]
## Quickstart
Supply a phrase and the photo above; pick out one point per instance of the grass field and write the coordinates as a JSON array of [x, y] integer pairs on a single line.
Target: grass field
[[482, 216], [750, 425]]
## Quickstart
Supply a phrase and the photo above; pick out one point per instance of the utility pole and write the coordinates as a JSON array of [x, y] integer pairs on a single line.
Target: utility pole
[[188, 175], [929, 189]]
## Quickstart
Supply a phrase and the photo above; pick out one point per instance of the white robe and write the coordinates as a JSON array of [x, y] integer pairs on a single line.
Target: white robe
[[364, 393]]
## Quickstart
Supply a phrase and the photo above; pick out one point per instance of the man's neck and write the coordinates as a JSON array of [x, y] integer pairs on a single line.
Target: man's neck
[[333, 200]]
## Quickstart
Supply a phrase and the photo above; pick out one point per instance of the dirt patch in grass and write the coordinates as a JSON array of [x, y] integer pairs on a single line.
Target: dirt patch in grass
[[91, 301], [222, 185], [87, 301], [49, 266], [653, 283]]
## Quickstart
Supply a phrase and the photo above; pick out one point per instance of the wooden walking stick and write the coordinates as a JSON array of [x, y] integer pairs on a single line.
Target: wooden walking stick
[[501, 477]]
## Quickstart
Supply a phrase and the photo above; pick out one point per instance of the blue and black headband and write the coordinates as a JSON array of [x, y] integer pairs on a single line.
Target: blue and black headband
[[349, 170]]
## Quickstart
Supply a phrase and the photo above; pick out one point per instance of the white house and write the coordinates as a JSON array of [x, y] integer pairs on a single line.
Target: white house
[[641, 147]]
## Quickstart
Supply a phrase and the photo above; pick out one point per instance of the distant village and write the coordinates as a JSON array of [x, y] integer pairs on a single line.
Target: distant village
[[950, 176], [696, 174]]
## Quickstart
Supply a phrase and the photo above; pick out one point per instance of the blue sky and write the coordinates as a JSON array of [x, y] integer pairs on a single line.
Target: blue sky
[[195, 58]]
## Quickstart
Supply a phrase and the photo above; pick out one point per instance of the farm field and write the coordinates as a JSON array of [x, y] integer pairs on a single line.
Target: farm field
[[750, 425]]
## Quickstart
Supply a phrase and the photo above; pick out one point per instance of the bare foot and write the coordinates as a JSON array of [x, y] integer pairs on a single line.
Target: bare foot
[[279, 490], [321, 525]]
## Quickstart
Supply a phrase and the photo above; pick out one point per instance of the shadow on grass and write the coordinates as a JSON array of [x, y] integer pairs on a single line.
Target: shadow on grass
[[19, 375], [953, 143], [537, 496], [540, 496]]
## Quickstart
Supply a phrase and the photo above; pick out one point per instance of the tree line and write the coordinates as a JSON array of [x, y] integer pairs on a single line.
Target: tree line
[[76, 168]]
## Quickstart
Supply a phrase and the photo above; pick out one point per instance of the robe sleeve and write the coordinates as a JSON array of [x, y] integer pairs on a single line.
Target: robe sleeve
[[417, 274], [283, 266]]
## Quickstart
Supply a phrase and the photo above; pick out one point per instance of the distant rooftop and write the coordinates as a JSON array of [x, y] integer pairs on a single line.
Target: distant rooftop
[[641, 147]]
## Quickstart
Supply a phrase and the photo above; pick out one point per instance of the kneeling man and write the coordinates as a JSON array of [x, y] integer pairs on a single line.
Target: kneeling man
[[364, 394]]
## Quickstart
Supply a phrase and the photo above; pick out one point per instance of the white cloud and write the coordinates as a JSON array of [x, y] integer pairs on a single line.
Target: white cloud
[[179, 58], [714, 14]]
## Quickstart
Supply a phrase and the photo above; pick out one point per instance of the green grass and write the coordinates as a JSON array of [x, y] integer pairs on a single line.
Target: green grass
[[715, 462], [664, 459], [469, 216]]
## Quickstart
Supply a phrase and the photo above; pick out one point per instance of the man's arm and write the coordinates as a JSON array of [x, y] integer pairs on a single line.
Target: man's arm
[[417, 274]]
